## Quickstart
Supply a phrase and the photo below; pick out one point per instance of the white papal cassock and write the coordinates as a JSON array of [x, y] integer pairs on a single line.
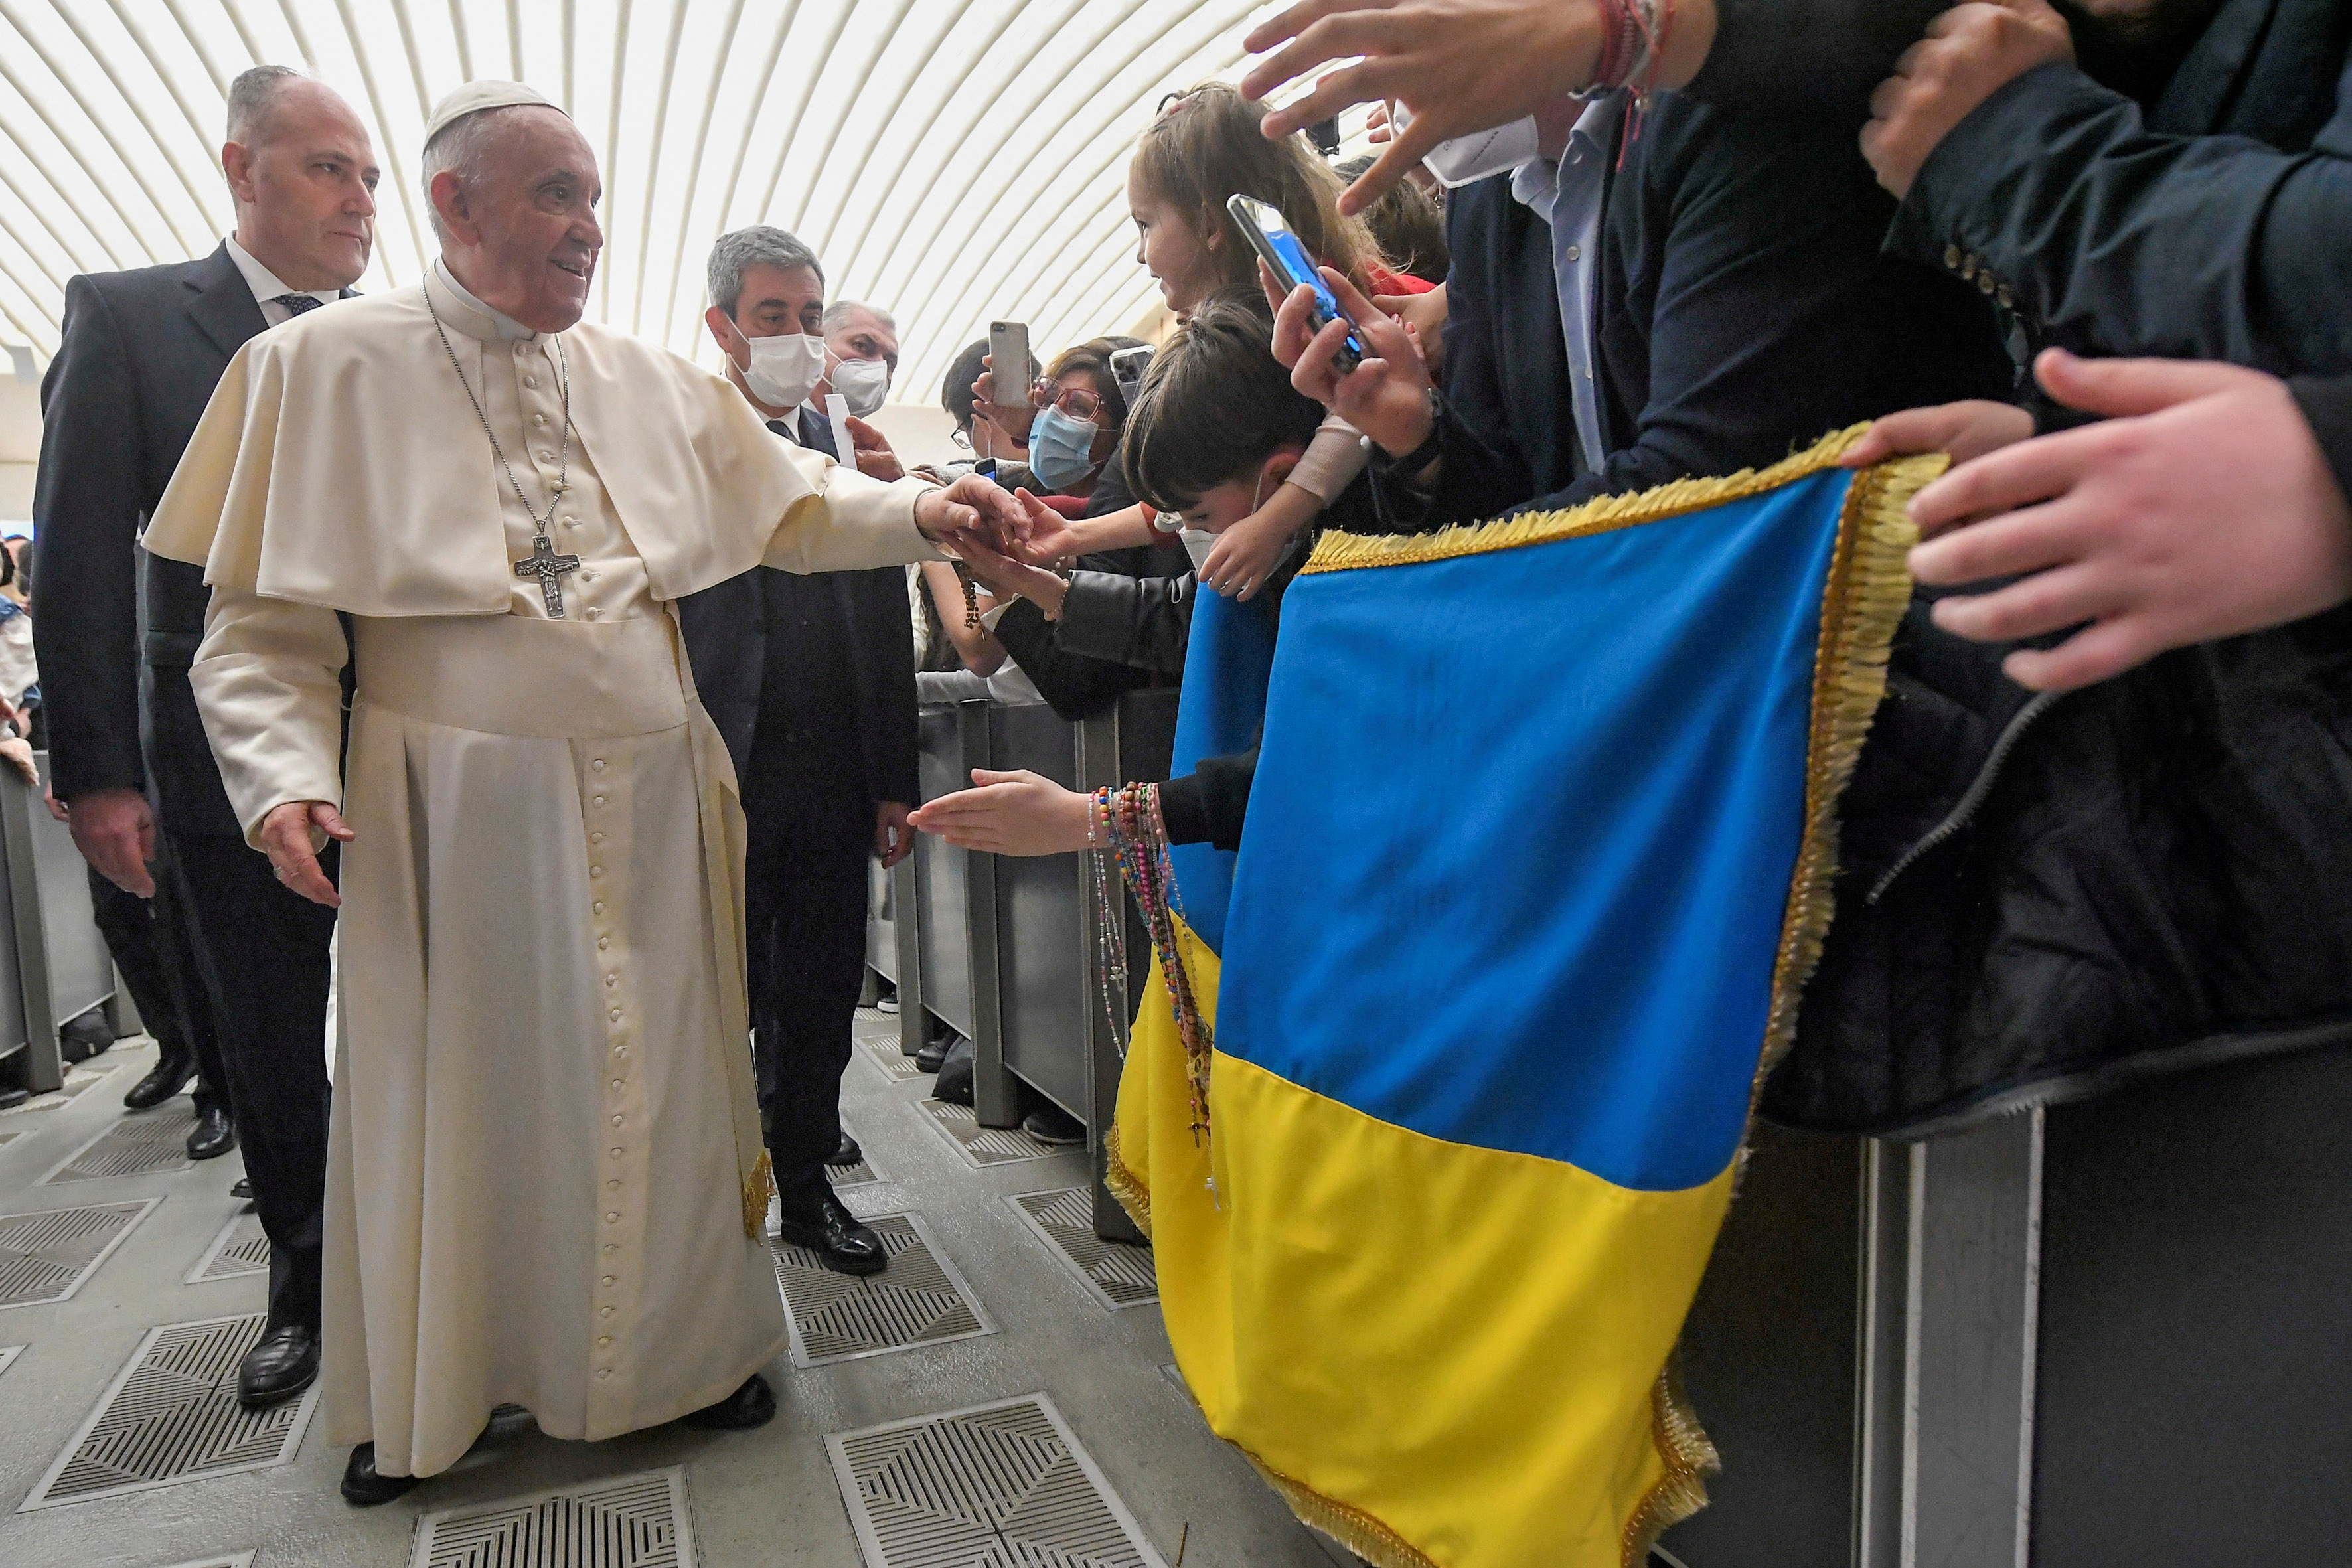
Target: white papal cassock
[[544, 1178]]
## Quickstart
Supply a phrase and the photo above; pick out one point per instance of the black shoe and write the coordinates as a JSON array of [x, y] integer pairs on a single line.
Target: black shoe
[[164, 1080], [849, 1154], [282, 1365], [820, 1224], [242, 1188], [212, 1136], [933, 1053], [363, 1488], [1052, 1124], [753, 1404]]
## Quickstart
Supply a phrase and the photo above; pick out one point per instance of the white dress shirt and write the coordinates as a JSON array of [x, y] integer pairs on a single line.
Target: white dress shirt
[[267, 287], [1568, 197]]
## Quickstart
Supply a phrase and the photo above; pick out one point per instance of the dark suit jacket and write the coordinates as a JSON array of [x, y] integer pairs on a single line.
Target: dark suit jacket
[[727, 647], [1745, 310], [1505, 360], [2216, 223], [140, 354]]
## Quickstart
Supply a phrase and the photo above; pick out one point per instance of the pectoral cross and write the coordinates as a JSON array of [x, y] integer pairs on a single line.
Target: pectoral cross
[[549, 567]]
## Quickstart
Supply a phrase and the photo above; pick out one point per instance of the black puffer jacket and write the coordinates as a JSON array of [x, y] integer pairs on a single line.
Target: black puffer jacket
[[2042, 899]]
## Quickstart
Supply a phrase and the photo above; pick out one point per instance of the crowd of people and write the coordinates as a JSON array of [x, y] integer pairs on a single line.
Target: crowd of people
[[2096, 256]]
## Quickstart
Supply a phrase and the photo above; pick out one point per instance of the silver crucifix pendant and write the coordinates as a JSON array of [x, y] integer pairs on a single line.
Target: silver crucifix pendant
[[549, 568]]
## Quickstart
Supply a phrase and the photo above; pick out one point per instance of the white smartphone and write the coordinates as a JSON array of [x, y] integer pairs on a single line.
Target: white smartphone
[[1008, 360]]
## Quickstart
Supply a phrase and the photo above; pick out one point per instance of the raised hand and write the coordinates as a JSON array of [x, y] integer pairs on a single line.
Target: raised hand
[[872, 450], [1386, 397], [1969, 53]]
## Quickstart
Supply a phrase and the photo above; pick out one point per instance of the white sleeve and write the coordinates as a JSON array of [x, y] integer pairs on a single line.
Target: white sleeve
[[1332, 460], [268, 680], [849, 522]]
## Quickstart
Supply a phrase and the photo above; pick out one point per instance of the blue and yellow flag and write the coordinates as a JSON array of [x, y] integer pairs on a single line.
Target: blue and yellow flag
[[1538, 861]]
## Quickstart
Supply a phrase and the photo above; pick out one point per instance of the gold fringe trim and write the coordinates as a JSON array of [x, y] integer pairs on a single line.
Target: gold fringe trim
[[1352, 1528], [1339, 552], [1689, 1457], [756, 1193], [1125, 1185]]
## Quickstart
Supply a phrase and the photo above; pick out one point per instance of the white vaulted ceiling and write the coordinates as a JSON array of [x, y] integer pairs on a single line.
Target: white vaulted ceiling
[[952, 161]]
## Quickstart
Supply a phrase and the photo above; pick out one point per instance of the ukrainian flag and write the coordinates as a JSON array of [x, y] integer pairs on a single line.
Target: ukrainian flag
[[1538, 861]]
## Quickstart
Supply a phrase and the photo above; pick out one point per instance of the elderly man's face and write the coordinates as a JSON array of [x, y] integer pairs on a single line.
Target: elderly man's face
[[305, 179], [860, 334], [526, 225]]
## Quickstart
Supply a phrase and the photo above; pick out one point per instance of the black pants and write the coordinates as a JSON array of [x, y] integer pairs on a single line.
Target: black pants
[[262, 952], [812, 832], [150, 941]]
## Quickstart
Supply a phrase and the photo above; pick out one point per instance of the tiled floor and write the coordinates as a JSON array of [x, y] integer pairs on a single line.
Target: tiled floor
[[998, 1347]]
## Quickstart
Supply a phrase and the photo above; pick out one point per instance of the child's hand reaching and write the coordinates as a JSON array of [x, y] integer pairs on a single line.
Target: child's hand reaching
[[1246, 553], [1010, 814]]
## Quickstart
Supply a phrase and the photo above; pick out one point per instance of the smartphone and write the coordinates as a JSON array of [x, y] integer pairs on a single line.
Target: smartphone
[[1008, 357], [1271, 238], [1127, 368]]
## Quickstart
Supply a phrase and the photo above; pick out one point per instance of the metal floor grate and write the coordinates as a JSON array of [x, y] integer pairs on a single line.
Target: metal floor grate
[[1004, 1486], [627, 1522], [171, 1416], [1114, 1273], [8, 1353], [240, 1248], [882, 1050], [77, 1080], [921, 1300], [46, 1256], [141, 1145], [983, 1146]]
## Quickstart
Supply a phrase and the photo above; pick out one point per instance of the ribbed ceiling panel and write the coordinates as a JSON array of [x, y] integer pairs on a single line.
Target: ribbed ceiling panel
[[952, 161]]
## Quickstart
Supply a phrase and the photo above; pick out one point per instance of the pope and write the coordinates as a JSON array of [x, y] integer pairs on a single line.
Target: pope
[[545, 1180]]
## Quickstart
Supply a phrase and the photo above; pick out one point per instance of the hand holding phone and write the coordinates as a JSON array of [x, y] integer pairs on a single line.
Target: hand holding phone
[[1386, 394], [1280, 250]]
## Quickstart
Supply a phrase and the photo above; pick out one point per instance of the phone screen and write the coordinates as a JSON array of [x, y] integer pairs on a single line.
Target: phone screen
[[1299, 268]]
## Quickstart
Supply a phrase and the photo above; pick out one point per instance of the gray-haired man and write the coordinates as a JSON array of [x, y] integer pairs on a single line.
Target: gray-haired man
[[810, 681]]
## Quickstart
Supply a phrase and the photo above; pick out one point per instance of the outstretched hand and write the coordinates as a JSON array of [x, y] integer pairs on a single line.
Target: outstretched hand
[[976, 506], [293, 834], [1010, 814], [2203, 508]]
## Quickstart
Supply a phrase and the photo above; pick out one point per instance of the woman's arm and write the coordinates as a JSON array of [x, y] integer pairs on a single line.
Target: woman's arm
[[981, 652]]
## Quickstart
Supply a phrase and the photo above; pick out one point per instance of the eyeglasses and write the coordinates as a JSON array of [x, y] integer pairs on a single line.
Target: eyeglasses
[[1074, 401]]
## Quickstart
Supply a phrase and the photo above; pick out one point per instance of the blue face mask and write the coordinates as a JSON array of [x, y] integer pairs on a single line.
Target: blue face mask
[[1061, 449]]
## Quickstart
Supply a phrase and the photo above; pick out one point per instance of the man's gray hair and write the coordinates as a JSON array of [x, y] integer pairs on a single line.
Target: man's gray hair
[[841, 310], [459, 149], [252, 96], [758, 246]]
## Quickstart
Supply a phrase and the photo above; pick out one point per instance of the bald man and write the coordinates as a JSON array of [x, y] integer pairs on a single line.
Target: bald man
[[142, 352]]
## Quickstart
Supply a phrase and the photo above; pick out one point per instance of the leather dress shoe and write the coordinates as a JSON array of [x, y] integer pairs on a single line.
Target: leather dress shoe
[[282, 1365], [163, 1080], [753, 1404], [242, 1188], [1054, 1127], [933, 1054], [212, 1136], [849, 1154], [363, 1488], [820, 1224]]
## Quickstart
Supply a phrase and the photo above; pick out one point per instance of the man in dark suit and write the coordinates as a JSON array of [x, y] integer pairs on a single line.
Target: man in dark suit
[[812, 681], [142, 352]]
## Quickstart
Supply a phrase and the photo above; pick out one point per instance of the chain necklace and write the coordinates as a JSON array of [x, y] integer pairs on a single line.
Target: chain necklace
[[564, 465]]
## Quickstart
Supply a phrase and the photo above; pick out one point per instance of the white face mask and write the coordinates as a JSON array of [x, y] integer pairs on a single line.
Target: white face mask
[[1466, 159], [1198, 542], [863, 384], [784, 369]]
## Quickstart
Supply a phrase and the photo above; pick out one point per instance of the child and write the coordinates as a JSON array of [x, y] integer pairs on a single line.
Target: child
[[1216, 425]]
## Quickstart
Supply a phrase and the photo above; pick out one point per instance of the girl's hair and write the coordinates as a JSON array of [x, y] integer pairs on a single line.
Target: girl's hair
[[1093, 357], [1409, 224], [1214, 405], [1206, 146]]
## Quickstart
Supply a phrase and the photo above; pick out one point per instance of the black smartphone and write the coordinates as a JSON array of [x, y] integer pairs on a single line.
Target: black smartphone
[[1127, 368], [1271, 238]]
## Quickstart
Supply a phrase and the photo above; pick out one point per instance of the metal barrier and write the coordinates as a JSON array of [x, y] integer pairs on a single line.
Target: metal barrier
[[1003, 949], [53, 965]]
